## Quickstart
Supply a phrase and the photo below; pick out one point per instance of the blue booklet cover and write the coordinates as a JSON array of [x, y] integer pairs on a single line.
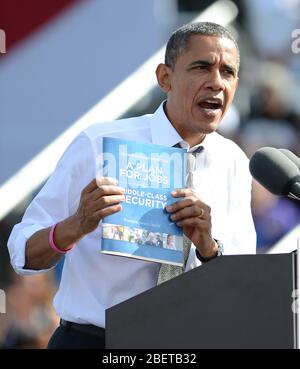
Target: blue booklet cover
[[143, 228]]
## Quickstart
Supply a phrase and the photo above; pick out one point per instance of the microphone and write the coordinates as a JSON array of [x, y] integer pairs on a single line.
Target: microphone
[[294, 158], [276, 172]]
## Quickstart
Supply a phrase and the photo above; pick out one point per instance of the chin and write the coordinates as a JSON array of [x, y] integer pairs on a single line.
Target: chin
[[208, 127], [207, 124], [210, 130]]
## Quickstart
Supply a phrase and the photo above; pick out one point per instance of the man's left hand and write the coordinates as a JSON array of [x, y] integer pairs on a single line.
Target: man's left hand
[[194, 216]]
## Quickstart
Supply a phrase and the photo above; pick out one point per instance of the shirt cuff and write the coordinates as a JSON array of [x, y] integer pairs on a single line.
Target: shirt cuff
[[18, 257], [192, 261]]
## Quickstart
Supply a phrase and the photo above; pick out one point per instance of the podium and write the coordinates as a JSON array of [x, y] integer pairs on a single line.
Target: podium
[[240, 301]]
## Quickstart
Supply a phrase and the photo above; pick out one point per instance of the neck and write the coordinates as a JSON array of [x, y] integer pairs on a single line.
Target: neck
[[194, 139], [191, 137]]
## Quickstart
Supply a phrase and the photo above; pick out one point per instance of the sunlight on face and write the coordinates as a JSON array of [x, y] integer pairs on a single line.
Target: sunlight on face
[[202, 85]]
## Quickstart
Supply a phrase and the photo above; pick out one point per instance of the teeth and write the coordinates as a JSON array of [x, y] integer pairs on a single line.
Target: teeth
[[212, 102]]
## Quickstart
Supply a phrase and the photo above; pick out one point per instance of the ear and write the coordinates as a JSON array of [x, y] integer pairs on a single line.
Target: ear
[[163, 73], [236, 84], [237, 81]]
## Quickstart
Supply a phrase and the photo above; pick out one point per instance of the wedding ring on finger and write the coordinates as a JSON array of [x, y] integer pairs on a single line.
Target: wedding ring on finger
[[200, 216]]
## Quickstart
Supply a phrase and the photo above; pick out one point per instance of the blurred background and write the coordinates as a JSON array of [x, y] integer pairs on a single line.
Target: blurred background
[[72, 63]]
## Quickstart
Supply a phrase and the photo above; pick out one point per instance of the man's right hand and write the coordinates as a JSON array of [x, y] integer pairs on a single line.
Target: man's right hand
[[100, 198]]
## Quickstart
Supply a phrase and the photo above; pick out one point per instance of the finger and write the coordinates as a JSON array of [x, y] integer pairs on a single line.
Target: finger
[[106, 190], [94, 184], [183, 192], [91, 186], [106, 181], [106, 201], [108, 211], [189, 212], [185, 202], [195, 222]]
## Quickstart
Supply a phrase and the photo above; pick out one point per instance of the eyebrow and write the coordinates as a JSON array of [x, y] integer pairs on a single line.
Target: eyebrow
[[209, 64]]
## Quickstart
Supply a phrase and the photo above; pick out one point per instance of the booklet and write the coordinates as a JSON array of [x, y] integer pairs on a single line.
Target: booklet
[[143, 229]]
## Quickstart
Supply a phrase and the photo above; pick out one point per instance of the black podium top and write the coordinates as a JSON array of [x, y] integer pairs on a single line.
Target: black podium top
[[241, 301]]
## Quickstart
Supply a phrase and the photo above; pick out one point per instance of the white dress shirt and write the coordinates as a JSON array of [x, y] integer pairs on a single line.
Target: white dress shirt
[[91, 281]]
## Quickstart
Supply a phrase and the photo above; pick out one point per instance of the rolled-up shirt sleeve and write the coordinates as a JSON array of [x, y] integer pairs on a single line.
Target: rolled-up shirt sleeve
[[16, 246], [57, 200]]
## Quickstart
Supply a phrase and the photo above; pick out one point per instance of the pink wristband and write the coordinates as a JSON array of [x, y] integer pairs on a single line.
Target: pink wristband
[[52, 243]]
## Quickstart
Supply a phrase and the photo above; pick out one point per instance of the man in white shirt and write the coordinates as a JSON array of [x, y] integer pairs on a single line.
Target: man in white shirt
[[200, 77]]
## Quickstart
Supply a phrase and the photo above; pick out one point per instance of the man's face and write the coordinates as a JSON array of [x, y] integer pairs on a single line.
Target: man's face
[[202, 85]]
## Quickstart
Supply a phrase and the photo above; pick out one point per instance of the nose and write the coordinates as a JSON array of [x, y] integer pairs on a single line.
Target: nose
[[214, 81]]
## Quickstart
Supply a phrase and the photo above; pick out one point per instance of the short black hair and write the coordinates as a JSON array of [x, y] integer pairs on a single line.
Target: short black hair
[[179, 40]]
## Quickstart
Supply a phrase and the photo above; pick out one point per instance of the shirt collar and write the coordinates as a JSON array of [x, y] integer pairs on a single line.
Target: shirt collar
[[163, 133]]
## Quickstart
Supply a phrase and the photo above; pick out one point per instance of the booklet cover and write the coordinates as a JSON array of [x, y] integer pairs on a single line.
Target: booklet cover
[[143, 228]]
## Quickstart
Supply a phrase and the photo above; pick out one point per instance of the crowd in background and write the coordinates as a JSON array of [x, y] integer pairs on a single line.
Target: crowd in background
[[266, 112], [267, 105]]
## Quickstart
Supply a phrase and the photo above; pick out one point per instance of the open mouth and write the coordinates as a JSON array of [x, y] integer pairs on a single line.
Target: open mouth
[[212, 104]]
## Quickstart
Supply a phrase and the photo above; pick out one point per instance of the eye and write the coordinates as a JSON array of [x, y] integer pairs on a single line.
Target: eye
[[229, 72]]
